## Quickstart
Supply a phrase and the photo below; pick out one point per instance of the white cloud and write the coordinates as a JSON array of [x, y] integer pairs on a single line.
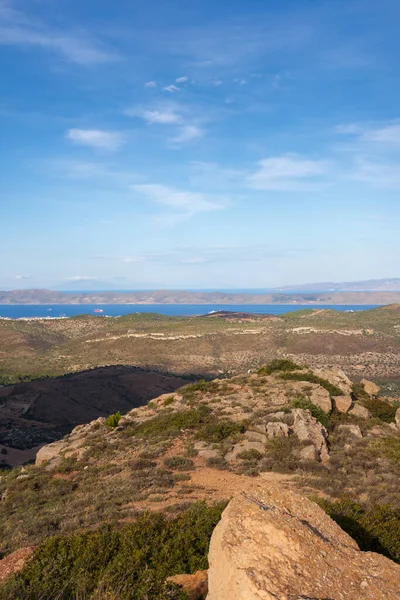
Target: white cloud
[[97, 138], [379, 174], [22, 277], [289, 172], [181, 79], [165, 116], [383, 133], [178, 200], [18, 30], [217, 82], [186, 134], [80, 278], [171, 88], [150, 84]]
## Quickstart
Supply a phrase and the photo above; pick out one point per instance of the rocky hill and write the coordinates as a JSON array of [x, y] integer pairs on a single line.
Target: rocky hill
[[285, 425]]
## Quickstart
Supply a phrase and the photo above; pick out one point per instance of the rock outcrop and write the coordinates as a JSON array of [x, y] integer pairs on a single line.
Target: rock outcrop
[[14, 562], [370, 387], [195, 586], [308, 429], [337, 378], [275, 544]]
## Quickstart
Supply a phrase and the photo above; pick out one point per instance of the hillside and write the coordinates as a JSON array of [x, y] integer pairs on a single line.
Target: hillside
[[385, 296], [371, 285], [284, 425]]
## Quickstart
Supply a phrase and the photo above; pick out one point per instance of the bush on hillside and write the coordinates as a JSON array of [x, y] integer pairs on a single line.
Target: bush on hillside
[[131, 563], [279, 364], [316, 411], [113, 420], [311, 378]]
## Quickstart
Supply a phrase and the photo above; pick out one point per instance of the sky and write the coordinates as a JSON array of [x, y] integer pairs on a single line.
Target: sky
[[182, 144]]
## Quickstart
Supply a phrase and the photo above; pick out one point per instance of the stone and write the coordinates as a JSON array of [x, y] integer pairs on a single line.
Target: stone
[[275, 430], [51, 453], [273, 543], [309, 453], [308, 429], [195, 586], [359, 411], [244, 447], [276, 416], [336, 377], [255, 436], [370, 387], [14, 562], [351, 429], [342, 403], [397, 418], [320, 397]]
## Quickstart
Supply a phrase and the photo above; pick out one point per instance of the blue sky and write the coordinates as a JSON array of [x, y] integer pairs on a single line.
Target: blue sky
[[198, 144]]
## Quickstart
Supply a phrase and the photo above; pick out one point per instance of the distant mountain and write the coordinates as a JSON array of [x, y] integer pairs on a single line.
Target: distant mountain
[[371, 285]]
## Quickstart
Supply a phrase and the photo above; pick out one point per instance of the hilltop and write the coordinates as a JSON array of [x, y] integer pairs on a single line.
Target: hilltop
[[284, 425], [38, 296]]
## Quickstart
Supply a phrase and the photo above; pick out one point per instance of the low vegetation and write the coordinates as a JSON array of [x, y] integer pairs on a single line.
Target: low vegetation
[[311, 378], [316, 411], [279, 365], [126, 563]]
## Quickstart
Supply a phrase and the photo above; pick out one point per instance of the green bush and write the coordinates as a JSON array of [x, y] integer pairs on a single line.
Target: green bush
[[332, 389], [170, 423], [389, 447], [279, 364], [375, 529], [179, 463], [380, 409], [252, 454], [131, 563], [316, 411], [113, 420], [220, 430], [188, 391]]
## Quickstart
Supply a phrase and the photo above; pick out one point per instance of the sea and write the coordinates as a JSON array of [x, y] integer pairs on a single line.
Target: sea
[[40, 311]]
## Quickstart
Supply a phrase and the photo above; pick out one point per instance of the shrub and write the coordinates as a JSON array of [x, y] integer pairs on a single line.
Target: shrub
[[279, 455], [279, 364], [221, 430], [380, 409], [188, 391], [170, 424], [179, 463], [316, 411], [375, 529], [389, 447], [131, 563], [217, 462], [168, 400], [252, 454], [332, 389], [113, 420]]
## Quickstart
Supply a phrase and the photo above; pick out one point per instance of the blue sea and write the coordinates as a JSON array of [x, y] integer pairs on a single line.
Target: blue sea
[[20, 311]]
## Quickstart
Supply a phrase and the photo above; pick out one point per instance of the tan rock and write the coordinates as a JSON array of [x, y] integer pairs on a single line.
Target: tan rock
[[336, 377], [397, 418], [275, 430], [343, 403], [320, 397], [244, 447], [309, 453], [359, 411], [255, 436], [275, 544], [14, 562], [351, 430], [308, 429], [50, 453], [370, 387], [195, 586]]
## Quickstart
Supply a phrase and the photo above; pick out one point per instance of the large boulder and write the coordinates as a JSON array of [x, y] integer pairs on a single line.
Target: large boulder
[[308, 429], [273, 543], [275, 430], [343, 403], [397, 418], [359, 411], [370, 387], [336, 377], [195, 586], [320, 397]]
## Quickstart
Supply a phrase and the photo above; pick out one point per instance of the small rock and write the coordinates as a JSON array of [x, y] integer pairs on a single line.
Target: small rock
[[308, 429], [195, 586], [276, 430], [309, 453], [243, 447], [397, 418], [255, 436], [320, 397], [343, 403], [276, 416], [351, 429], [370, 387], [359, 411]]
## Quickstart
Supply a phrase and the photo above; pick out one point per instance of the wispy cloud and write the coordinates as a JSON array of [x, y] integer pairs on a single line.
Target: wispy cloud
[[181, 201], [383, 133], [16, 29], [171, 88], [167, 116], [186, 134], [378, 174], [97, 138], [289, 172], [181, 79], [150, 84]]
